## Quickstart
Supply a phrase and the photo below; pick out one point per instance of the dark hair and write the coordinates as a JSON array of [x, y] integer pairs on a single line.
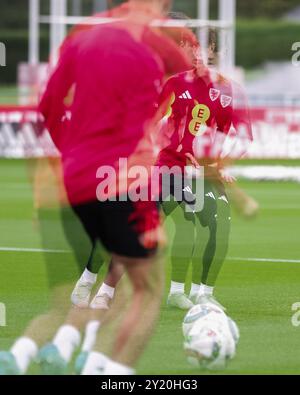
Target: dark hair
[[178, 15], [181, 16]]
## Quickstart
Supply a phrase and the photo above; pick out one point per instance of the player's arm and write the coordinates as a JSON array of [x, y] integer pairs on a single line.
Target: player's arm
[[167, 99], [162, 133], [53, 103], [240, 135]]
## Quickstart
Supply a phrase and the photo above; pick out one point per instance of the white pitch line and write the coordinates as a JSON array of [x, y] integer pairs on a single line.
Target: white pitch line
[[264, 260], [40, 250], [35, 250]]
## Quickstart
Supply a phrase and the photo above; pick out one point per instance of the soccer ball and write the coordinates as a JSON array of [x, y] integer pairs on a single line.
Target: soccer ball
[[198, 312], [234, 330], [210, 337], [204, 347]]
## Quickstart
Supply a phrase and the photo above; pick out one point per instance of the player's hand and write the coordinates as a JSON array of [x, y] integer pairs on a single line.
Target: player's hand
[[226, 177], [193, 160]]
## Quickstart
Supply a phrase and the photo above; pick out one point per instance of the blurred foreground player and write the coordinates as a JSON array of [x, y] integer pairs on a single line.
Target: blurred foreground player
[[116, 85], [105, 127]]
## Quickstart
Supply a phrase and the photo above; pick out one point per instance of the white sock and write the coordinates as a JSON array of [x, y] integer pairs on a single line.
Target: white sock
[[90, 337], [195, 288], [176, 288], [206, 290], [24, 350], [88, 277], [95, 364], [106, 289], [116, 369], [67, 340]]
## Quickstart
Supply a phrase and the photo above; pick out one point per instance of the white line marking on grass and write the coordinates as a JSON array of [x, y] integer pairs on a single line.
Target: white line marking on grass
[[40, 250], [34, 250], [264, 260]]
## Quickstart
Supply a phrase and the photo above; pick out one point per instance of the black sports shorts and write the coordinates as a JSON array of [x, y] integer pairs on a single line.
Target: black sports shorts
[[178, 186], [120, 226]]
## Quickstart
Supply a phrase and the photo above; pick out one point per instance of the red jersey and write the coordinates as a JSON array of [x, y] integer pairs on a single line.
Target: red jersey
[[199, 107], [116, 84]]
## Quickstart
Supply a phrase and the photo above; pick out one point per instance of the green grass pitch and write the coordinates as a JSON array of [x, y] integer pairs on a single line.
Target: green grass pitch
[[258, 295]]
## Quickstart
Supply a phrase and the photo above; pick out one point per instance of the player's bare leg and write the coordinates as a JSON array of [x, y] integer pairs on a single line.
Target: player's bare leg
[[55, 356], [146, 279], [68, 327], [99, 306], [106, 292]]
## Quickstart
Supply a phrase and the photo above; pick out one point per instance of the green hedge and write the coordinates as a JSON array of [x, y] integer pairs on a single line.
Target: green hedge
[[257, 42], [264, 40]]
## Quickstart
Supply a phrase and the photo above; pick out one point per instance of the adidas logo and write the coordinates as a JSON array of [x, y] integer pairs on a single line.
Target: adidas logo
[[211, 195], [223, 198], [186, 95], [187, 189]]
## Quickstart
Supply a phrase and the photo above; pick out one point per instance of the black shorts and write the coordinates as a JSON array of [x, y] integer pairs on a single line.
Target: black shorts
[[182, 190], [121, 226], [178, 186]]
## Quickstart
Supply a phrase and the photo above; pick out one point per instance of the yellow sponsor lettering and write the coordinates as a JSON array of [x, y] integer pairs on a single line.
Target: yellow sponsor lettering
[[200, 115]]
